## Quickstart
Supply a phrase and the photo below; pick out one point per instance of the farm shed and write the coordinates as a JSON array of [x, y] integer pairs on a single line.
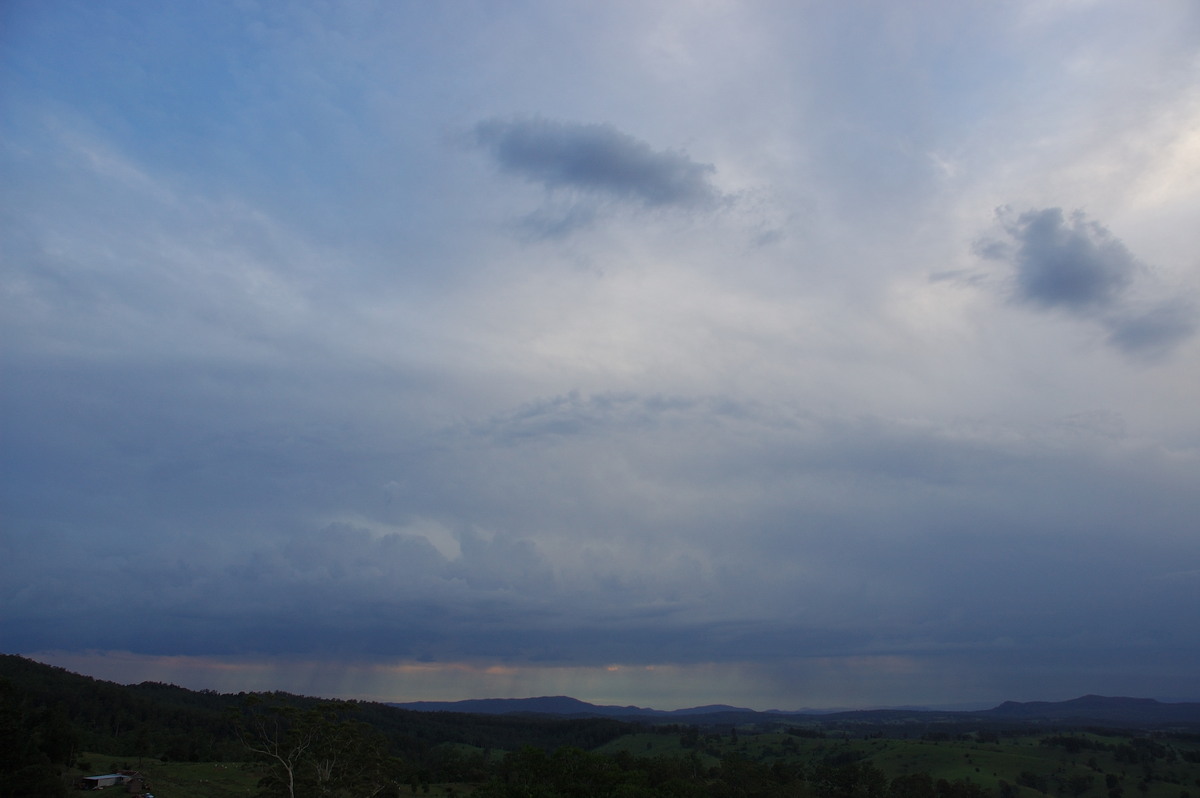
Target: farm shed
[[100, 782]]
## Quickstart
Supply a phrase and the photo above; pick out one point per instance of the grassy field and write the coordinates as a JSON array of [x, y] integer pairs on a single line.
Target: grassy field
[[181, 779], [214, 779], [1036, 769]]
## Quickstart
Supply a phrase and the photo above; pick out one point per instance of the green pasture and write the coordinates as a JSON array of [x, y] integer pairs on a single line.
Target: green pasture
[[1014, 761], [180, 779], [1036, 770], [216, 779]]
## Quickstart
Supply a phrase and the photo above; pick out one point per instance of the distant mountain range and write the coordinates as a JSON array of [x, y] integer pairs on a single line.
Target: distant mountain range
[[1132, 711], [1088, 709], [559, 705]]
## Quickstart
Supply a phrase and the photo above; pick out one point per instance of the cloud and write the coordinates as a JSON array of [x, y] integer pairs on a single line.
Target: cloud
[[1076, 265], [1155, 331], [596, 159], [622, 528], [279, 382]]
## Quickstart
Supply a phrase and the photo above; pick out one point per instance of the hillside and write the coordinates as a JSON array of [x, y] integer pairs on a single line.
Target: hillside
[[1091, 747], [173, 723], [1137, 712], [1091, 710]]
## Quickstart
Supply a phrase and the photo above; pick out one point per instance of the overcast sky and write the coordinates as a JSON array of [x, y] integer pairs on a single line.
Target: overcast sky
[[780, 354]]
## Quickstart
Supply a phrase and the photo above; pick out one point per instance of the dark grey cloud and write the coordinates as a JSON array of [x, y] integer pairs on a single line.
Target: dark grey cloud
[[1076, 265], [1155, 331], [1072, 263], [596, 159], [857, 531]]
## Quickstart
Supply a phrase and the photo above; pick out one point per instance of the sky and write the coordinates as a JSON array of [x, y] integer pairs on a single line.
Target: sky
[[777, 354]]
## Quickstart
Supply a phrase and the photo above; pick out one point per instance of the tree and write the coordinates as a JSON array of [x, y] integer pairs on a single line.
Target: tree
[[1079, 784], [279, 736], [26, 765], [913, 785], [319, 751]]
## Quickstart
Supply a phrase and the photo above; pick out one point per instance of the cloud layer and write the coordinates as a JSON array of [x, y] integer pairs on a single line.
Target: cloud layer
[[750, 405]]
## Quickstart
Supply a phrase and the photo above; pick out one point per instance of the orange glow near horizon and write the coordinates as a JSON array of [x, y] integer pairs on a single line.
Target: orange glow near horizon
[[828, 681], [379, 681]]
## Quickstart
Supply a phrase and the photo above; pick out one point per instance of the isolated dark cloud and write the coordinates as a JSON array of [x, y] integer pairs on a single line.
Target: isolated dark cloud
[[1076, 265], [596, 158], [1072, 263]]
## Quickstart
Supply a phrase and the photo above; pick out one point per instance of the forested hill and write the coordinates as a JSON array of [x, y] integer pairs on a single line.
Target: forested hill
[[100, 715], [173, 723], [1103, 709], [49, 717], [544, 705], [170, 722], [1090, 710]]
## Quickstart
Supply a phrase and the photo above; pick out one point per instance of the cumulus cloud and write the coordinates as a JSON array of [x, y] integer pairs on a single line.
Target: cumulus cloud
[[596, 159], [1076, 265], [1072, 263]]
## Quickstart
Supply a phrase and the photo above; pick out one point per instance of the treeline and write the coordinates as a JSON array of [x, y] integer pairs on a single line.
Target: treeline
[[308, 747], [35, 745], [175, 724], [327, 750], [572, 773], [155, 720]]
